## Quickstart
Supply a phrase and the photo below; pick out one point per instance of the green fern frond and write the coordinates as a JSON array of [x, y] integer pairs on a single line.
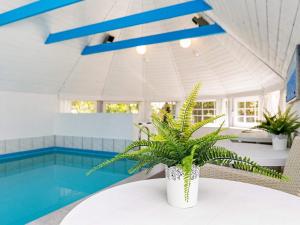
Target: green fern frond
[[224, 157], [173, 144], [208, 140], [193, 128], [187, 164], [118, 157], [286, 123], [186, 112], [138, 166], [137, 144]]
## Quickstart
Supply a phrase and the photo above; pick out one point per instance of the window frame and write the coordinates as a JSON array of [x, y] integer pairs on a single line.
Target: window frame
[[118, 102], [202, 109], [172, 103], [75, 111], [256, 115]]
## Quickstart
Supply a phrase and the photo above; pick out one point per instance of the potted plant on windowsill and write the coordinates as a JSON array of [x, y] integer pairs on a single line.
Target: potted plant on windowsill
[[281, 126], [182, 155]]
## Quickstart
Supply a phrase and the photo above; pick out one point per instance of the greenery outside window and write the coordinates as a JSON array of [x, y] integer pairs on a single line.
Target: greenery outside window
[[78, 106], [156, 107], [204, 110], [122, 108]]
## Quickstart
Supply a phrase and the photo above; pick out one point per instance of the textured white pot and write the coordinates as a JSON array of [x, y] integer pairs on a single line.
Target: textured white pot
[[175, 187], [279, 142]]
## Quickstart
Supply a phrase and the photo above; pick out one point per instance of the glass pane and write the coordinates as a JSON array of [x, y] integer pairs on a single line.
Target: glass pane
[[208, 105], [251, 104], [250, 112], [173, 108], [205, 112], [250, 119], [206, 117], [211, 112], [121, 108], [197, 119], [156, 106], [167, 107], [134, 108], [241, 104], [241, 112], [197, 112], [198, 105], [84, 106], [170, 107], [241, 119]]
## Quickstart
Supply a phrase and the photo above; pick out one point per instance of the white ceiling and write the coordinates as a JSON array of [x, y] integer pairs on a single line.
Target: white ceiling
[[252, 56]]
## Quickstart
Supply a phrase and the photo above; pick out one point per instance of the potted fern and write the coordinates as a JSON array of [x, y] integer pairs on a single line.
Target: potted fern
[[281, 126], [182, 155]]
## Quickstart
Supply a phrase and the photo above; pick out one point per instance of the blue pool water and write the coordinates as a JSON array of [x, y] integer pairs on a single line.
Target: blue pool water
[[38, 182]]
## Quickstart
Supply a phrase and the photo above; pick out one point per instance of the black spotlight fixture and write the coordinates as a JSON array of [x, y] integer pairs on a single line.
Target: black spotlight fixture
[[108, 38], [200, 21]]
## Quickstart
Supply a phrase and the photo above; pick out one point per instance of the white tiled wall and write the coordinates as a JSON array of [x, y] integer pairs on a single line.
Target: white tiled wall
[[88, 143], [25, 144], [92, 143], [97, 143]]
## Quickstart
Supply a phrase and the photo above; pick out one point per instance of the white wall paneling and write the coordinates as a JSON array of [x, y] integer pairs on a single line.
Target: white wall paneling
[[26, 115], [118, 126]]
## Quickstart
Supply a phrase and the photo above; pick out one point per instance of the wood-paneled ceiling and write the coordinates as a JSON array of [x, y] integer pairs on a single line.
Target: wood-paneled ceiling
[[252, 57]]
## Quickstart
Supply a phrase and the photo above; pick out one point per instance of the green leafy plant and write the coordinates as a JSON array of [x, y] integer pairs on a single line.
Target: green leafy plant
[[285, 123], [174, 145]]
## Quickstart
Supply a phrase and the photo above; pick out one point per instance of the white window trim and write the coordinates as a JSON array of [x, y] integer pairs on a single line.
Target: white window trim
[[244, 99], [215, 110]]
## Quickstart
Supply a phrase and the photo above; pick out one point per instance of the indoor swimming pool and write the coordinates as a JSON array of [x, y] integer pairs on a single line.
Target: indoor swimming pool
[[38, 182]]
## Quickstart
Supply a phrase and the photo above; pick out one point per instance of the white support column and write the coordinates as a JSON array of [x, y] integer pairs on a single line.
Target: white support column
[[100, 106], [144, 111], [262, 106], [282, 103], [230, 112], [178, 106]]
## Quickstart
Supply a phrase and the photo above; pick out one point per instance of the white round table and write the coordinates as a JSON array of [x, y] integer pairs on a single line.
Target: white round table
[[221, 202]]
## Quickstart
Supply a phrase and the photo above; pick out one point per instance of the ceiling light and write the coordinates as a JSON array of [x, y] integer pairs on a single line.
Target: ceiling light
[[197, 53], [141, 49], [185, 43]]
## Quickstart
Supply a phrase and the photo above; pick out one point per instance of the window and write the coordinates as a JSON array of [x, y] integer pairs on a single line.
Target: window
[[204, 110], [157, 106], [122, 108], [247, 111], [83, 106]]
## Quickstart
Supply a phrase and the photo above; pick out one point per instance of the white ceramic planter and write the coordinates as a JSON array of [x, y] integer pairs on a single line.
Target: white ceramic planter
[[175, 187], [279, 142]]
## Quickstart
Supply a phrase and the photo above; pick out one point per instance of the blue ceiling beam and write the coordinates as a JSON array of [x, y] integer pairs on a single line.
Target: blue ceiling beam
[[33, 9], [155, 39], [132, 20]]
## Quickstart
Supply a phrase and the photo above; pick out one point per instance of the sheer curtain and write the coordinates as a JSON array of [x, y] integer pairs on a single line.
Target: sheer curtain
[[272, 101]]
